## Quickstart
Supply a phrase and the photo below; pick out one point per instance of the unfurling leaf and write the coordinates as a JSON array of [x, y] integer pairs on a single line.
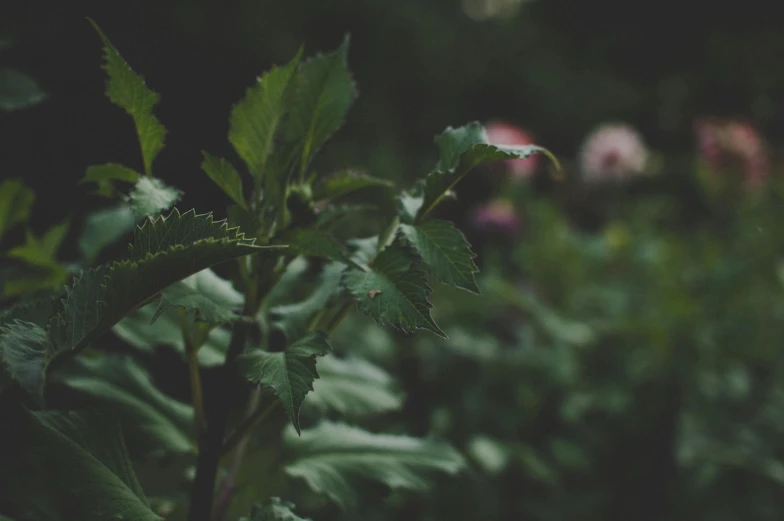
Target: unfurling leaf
[[317, 243], [325, 95], [354, 387], [256, 119], [127, 90], [273, 509], [225, 176], [460, 150], [331, 457], [16, 199], [289, 373], [150, 196], [445, 251], [399, 290]]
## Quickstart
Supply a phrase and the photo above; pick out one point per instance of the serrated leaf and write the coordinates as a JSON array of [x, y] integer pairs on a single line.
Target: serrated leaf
[[86, 457], [446, 252], [460, 150], [289, 373], [19, 91], [16, 200], [127, 90], [256, 119], [273, 509], [225, 176], [154, 424], [137, 330], [331, 457], [150, 196], [326, 93], [343, 183], [293, 318], [204, 296], [354, 387], [394, 291], [24, 353], [104, 227], [164, 251]]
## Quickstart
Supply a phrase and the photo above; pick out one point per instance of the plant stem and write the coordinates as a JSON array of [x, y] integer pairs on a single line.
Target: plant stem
[[211, 440], [250, 422], [197, 396]]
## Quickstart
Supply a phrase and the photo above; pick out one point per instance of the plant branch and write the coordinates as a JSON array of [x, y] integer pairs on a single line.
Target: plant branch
[[194, 373]]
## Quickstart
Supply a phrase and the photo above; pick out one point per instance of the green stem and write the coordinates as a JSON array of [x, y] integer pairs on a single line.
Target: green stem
[[194, 372], [211, 440]]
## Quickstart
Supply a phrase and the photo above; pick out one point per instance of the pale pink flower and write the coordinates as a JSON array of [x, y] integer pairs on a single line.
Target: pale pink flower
[[498, 215], [613, 152], [502, 133], [726, 144]]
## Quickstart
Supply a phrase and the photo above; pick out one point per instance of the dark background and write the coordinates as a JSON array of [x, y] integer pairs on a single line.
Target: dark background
[[556, 67]]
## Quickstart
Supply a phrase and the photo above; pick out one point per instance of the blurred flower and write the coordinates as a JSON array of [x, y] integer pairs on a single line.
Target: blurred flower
[[727, 144], [498, 215], [612, 152], [502, 133]]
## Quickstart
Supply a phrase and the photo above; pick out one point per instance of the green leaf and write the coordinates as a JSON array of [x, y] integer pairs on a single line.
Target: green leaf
[[331, 457], [225, 176], [330, 217], [24, 351], [354, 387], [41, 251], [18, 90], [317, 243], [394, 291], [204, 296], [289, 373], [460, 150], [326, 93], [273, 509], [87, 458], [256, 119], [16, 200], [344, 183], [293, 319], [137, 330], [150, 196], [110, 172], [103, 228], [165, 250], [127, 90], [154, 424], [445, 251]]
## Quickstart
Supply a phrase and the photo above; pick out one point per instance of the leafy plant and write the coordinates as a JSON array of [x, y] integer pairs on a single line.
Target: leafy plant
[[247, 309]]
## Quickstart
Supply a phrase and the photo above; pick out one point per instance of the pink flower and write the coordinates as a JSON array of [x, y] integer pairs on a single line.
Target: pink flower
[[613, 152], [727, 144], [501, 133], [498, 215]]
